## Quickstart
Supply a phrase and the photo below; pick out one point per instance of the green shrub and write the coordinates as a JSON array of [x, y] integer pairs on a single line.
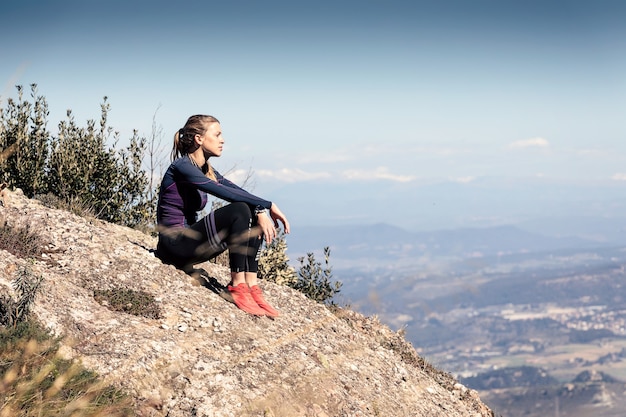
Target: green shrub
[[77, 166], [109, 182], [24, 142], [312, 279], [315, 281], [274, 263], [28, 329], [14, 311]]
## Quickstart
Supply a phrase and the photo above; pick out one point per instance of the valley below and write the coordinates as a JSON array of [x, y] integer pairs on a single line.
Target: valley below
[[535, 332]]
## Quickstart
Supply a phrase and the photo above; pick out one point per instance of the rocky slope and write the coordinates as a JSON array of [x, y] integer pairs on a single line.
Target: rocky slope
[[204, 357]]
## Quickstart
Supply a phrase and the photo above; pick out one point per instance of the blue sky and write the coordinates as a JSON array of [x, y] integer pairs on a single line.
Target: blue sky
[[335, 96]]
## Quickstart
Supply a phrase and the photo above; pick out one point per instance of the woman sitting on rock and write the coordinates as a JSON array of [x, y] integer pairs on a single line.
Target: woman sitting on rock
[[239, 226]]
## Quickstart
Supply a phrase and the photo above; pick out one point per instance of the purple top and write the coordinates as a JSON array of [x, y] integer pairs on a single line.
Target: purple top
[[184, 192]]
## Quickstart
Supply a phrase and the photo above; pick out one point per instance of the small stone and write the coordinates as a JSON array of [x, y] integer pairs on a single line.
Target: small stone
[[460, 387]]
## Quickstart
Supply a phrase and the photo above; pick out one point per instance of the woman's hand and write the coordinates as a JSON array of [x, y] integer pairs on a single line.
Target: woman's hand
[[268, 231], [277, 216], [268, 227]]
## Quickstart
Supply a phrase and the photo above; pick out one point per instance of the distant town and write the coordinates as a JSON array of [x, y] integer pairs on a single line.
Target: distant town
[[505, 319]]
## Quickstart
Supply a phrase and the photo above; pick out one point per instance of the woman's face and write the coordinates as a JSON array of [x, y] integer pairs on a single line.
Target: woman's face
[[212, 141]]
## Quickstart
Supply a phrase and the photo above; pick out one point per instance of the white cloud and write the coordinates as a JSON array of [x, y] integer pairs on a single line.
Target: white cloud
[[530, 143], [440, 151], [326, 158], [374, 152], [464, 180], [292, 175], [380, 173], [592, 152], [238, 176], [619, 177]]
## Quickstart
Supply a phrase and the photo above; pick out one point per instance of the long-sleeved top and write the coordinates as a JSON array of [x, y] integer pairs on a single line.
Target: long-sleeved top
[[184, 191]]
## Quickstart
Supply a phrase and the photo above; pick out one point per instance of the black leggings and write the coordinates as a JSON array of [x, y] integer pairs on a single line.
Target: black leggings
[[229, 227]]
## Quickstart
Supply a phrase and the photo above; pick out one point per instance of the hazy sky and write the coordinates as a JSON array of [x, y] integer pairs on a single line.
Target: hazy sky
[[387, 92]]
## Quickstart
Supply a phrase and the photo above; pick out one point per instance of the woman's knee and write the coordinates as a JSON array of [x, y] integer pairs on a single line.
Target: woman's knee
[[233, 213], [242, 209]]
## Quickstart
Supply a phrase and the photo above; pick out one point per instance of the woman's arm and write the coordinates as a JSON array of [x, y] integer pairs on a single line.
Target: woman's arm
[[223, 188]]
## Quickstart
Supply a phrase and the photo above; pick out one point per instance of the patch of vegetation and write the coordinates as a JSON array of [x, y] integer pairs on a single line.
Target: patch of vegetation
[[274, 262], [21, 241], [126, 300], [36, 381], [72, 204], [316, 281], [312, 278], [81, 166], [15, 311]]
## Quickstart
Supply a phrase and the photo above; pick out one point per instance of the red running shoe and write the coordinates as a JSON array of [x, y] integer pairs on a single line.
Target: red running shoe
[[243, 299], [257, 295]]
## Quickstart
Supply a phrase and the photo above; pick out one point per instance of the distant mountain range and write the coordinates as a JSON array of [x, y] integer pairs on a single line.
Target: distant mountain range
[[555, 207], [476, 299], [384, 242]]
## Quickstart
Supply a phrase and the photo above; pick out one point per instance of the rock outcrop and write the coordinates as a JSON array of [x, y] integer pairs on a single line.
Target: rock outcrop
[[204, 357]]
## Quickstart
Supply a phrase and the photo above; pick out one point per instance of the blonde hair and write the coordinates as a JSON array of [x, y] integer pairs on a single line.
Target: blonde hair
[[184, 142]]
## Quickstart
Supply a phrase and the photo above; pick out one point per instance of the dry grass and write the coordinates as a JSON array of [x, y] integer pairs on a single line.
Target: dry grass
[[21, 241], [74, 205], [126, 300], [36, 381]]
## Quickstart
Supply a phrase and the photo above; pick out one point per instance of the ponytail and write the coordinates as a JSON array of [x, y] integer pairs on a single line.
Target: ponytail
[[184, 139]]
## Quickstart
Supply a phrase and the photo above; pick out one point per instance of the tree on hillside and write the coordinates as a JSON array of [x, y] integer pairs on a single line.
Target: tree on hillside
[[108, 181], [24, 142], [77, 169]]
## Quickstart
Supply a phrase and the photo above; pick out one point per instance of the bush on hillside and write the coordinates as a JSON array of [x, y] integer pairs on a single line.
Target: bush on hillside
[[21, 241], [77, 168], [16, 310], [312, 279], [274, 263], [24, 142], [316, 281]]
